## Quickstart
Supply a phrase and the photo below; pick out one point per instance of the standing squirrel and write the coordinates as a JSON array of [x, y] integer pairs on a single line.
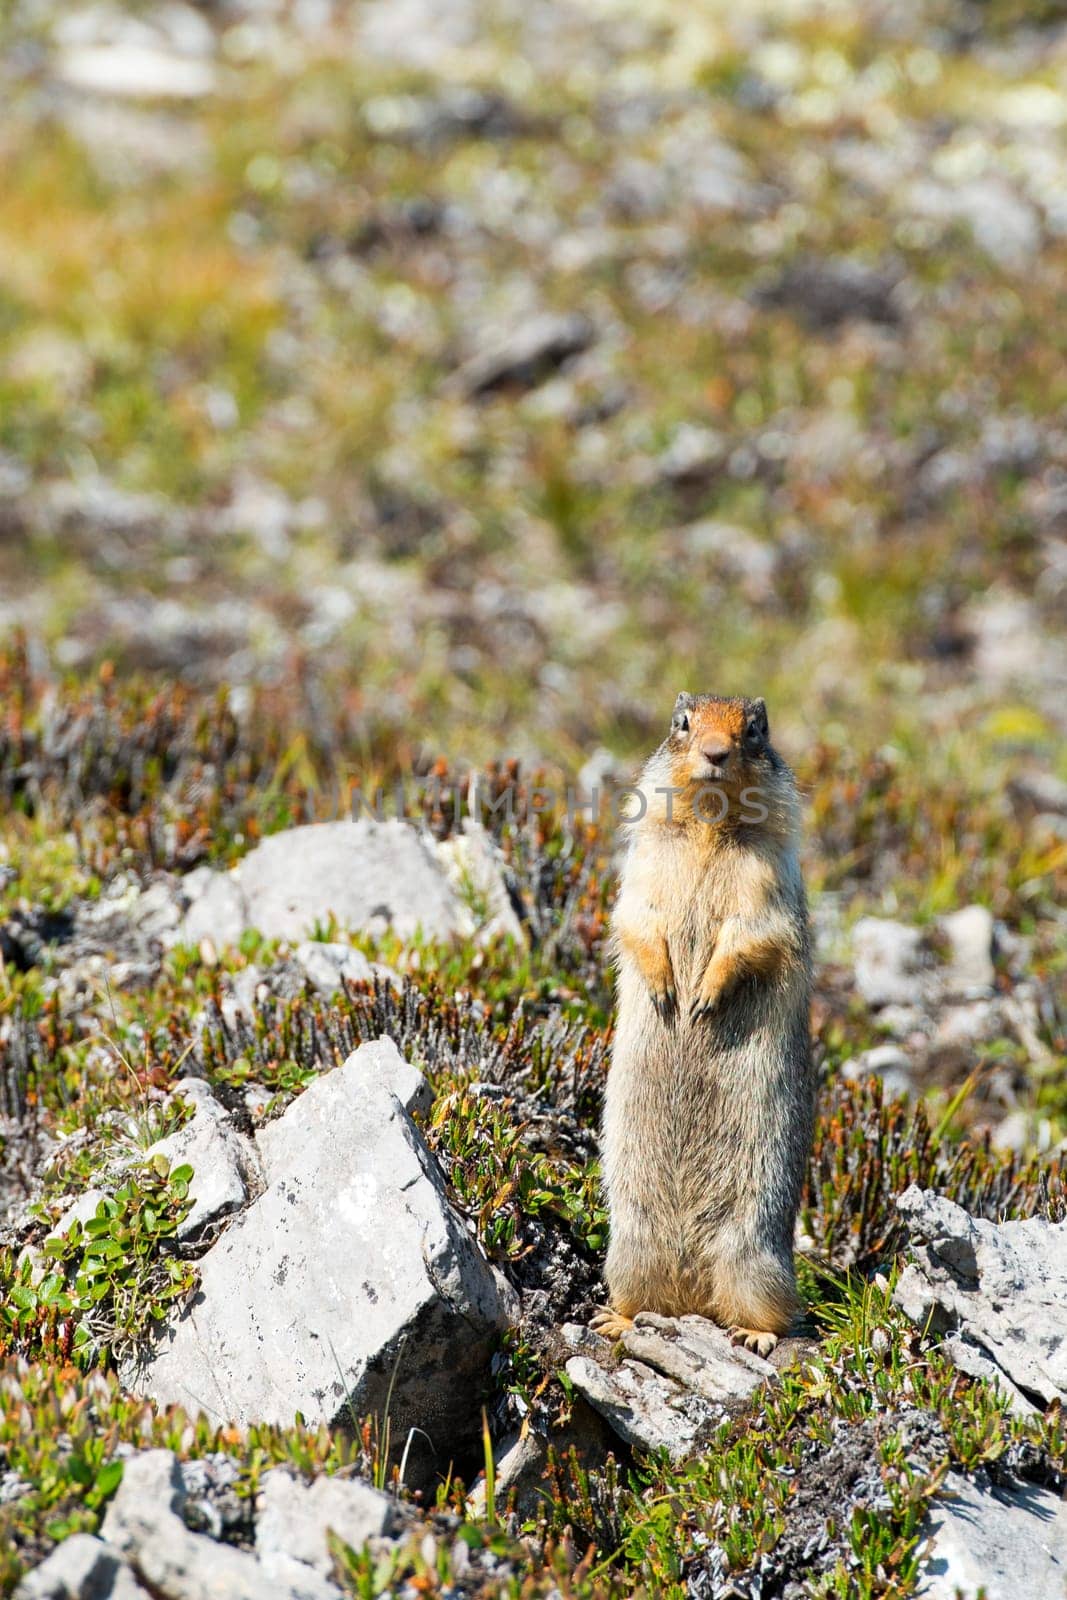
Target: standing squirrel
[[710, 1098]]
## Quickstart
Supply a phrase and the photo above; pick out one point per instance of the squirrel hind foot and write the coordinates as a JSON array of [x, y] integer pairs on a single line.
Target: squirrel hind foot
[[758, 1340], [610, 1324]]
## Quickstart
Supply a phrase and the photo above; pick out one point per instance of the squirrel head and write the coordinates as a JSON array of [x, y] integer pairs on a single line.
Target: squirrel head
[[720, 741], [717, 751], [717, 765]]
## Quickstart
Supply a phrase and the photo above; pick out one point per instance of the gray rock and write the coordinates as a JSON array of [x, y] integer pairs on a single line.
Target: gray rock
[[144, 1524], [643, 1407], [294, 1518], [970, 970], [329, 966], [226, 1168], [348, 1284], [368, 875], [216, 909], [526, 355], [1001, 1286], [81, 1568], [963, 1354], [472, 862], [977, 1022], [1003, 1543], [891, 960], [1042, 791], [886, 1061], [826, 291], [83, 1210], [698, 1354], [1004, 225]]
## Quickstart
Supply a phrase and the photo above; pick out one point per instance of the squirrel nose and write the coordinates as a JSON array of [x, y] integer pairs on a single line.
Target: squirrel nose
[[716, 752]]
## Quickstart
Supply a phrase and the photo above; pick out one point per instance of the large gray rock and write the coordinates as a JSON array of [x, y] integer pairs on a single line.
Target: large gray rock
[[81, 1568], [1001, 1287], [226, 1167], [349, 1287], [144, 1524], [1005, 1544], [294, 1519], [369, 875]]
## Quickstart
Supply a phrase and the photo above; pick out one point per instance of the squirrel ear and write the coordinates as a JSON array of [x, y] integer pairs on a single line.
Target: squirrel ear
[[682, 707], [759, 713]]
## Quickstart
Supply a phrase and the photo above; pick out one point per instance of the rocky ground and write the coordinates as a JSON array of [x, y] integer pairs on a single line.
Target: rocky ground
[[421, 394]]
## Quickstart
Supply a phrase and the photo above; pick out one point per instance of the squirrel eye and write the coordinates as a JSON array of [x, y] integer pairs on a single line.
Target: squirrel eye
[[681, 722]]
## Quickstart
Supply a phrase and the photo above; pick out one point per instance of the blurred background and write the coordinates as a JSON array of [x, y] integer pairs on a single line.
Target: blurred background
[[499, 369]]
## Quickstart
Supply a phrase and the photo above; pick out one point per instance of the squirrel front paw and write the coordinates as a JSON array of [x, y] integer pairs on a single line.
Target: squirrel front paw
[[665, 1000], [708, 997]]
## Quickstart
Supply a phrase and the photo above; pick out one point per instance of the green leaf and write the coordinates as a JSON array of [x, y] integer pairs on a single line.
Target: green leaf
[[107, 1481], [50, 1288]]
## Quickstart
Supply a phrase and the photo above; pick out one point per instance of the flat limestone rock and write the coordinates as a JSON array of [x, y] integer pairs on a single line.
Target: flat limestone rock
[[698, 1354], [1006, 1544], [1001, 1286], [349, 1286], [643, 1407]]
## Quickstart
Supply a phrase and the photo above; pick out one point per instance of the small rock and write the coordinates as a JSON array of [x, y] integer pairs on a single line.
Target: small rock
[[885, 1061], [646, 1409], [330, 966], [216, 909], [226, 1168], [583, 1341], [139, 71], [827, 292], [979, 1022], [83, 1210], [526, 356], [144, 1524], [473, 864], [970, 970], [1040, 791], [697, 1354], [81, 1568], [891, 961], [1003, 1543], [693, 456], [1004, 225], [369, 875], [294, 1518]]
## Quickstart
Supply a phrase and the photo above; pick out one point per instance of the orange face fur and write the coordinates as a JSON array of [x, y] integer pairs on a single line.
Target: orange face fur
[[719, 741]]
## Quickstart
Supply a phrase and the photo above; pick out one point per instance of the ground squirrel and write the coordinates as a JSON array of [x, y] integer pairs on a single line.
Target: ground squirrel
[[709, 1103]]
